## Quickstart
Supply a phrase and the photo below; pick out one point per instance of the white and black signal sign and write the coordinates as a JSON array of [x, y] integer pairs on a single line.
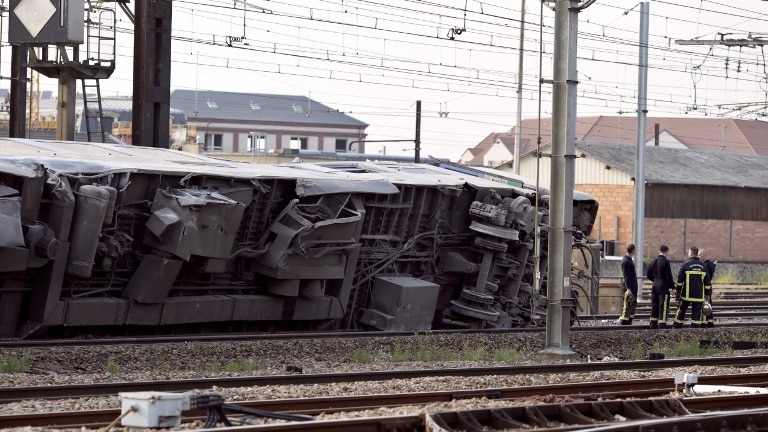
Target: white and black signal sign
[[46, 22]]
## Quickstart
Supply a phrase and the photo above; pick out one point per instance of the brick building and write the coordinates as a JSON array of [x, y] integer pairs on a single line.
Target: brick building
[[713, 199]]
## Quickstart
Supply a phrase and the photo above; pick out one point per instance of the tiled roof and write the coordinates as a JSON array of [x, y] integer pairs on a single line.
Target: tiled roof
[[713, 133], [258, 107], [666, 165], [696, 133], [479, 151]]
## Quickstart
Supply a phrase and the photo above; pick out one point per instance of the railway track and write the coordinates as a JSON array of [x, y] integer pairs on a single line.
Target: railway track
[[15, 394], [595, 324], [585, 395]]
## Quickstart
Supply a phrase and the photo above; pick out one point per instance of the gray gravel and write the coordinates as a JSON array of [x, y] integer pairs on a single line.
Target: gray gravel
[[69, 365]]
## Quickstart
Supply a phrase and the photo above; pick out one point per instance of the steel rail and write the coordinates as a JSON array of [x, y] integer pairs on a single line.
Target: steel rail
[[13, 394], [605, 390], [148, 340]]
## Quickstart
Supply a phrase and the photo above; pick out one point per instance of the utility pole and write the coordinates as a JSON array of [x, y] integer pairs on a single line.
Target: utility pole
[[417, 141], [642, 114], [18, 103], [152, 74], [559, 298], [519, 134]]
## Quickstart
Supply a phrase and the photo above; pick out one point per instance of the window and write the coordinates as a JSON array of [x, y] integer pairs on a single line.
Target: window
[[297, 109], [299, 143], [212, 104], [213, 142], [341, 145], [260, 142]]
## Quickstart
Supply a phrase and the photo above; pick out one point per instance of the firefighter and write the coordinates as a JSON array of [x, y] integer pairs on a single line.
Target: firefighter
[[709, 320], [693, 287], [629, 283], [660, 273]]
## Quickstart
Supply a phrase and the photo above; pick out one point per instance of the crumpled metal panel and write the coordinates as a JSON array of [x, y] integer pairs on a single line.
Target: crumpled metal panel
[[205, 224], [11, 234], [311, 239], [21, 167], [312, 187]]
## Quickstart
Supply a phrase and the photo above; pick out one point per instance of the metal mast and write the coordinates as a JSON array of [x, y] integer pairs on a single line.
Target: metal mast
[[519, 134], [559, 301], [642, 113]]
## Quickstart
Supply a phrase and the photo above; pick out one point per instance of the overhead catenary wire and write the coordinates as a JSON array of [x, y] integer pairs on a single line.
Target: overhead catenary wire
[[489, 21]]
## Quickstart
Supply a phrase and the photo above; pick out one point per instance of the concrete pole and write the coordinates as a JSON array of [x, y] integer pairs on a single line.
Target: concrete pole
[[65, 109], [417, 141], [562, 179], [519, 134], [642, 113]]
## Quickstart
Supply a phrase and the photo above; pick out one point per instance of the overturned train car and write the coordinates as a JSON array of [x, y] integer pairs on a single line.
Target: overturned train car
[[98, 238]]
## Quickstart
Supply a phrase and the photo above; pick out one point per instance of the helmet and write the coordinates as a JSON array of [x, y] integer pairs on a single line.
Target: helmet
[[706, 309]]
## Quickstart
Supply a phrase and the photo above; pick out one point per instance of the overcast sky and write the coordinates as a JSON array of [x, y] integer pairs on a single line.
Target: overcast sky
[[374, 59]]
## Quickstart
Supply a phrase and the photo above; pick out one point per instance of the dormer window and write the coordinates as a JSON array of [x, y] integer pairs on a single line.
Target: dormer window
[[255, 106], [212, 104], [297, 109]]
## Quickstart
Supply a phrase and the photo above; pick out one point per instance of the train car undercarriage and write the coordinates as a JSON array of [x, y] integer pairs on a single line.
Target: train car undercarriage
[[120, 239]]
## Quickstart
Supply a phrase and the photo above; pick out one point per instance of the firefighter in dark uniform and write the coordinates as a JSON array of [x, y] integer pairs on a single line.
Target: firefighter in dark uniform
[[693, 288], [660, 273], [709, 320], [629, 283]]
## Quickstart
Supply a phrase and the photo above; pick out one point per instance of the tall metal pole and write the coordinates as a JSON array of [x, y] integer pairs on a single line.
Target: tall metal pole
[[562, 179], [152, 74], [417, 141], [519, 134], [17, 127], [642, 113]]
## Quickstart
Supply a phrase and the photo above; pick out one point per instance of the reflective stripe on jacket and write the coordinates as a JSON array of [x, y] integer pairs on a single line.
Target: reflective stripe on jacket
[[693, 281]]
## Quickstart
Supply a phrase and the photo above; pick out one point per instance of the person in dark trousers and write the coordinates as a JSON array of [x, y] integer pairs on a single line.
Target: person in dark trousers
[[660, 273], [693, 287], [709, 320], [629, 283]]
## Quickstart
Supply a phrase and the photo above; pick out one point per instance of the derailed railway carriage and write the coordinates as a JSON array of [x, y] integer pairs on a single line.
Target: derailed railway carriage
[[107, 239]]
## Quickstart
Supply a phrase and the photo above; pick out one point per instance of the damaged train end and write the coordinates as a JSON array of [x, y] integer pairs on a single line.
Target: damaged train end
[[106, 239]]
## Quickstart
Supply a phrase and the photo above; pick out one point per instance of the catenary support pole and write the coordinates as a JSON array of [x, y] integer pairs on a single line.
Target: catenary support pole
[[152, 74], [562, 180], [519, 134], [65, 109], [417, 141], [642, 113], [18, 113]]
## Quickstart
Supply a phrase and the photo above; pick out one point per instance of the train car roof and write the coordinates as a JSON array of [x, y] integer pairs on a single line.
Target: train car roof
[[24, 157], [410, 173], [28, 157]]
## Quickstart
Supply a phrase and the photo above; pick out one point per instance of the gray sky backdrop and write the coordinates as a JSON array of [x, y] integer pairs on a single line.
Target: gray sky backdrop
[[374, 58]]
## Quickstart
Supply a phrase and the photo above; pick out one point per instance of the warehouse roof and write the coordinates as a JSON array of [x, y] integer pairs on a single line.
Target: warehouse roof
[[255, 107], [665, 165]]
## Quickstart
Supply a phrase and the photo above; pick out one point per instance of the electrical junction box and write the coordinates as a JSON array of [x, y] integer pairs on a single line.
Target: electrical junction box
[[41, 22], [153, 409]]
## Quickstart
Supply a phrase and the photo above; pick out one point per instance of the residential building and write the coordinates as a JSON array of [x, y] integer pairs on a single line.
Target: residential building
[[493, 150], [236, 123], [707, 133]]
